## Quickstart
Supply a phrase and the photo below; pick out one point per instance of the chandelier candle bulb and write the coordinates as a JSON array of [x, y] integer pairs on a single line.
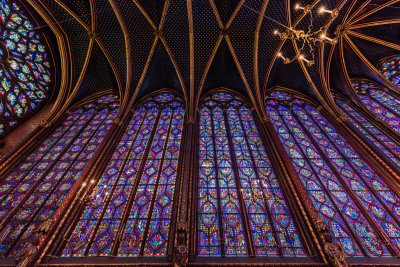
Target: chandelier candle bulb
[[323, 10], [300, 7], [323, 37], [309, 62], [285, 60]]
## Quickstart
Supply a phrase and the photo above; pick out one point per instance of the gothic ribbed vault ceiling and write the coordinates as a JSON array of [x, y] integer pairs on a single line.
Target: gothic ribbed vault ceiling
[[193, 46]]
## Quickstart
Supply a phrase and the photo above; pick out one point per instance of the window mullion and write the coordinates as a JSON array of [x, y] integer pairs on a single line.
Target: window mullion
[[389, 132], [137, 179], [221, 224], [260, 184], [321, 183], [43, 176], [383, 105], [59, 181], [344, 184], [245, 217], [369, 132], [37, 161], [124, 218], [153, 197], [356, 171], [98, 223]]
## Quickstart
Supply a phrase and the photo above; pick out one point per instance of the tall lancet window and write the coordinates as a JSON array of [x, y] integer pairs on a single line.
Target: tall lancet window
[[382, 143], [32, 192], [360, 208], [390, 68], [242, 210], [383, 104], [130, 212]]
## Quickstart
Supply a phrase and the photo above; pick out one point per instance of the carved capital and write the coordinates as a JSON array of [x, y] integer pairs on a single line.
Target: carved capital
[[191, 120], [44, 228], [45, 123], [117, 121], [342, 118]]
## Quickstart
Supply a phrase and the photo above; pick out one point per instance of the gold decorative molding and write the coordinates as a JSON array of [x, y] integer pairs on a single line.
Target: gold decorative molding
[[125, 95], [381, 6], [243, 76], [234, 14], [141, 9], [374, 23], [258, 92], [207, 68], [144, 72], [63, 42], [76, 17], [79, 81], [177, 70], [216, 13], [368, 64], [374, 40], [356, 12], [191, 58], [164, 14]]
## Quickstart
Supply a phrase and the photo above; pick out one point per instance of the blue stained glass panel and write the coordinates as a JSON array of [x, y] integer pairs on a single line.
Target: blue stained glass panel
[[382, 103], [223, 187], [44, 179], [369, 131], [134, 197], [391, 69], [341, 187], [25, 74]]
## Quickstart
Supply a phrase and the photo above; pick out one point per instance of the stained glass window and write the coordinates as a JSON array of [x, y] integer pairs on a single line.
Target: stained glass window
[[31, 193], [383, 104], [24, 68], [238, 190], [391, 69], [130, 212], [359, 207], [382, 143]]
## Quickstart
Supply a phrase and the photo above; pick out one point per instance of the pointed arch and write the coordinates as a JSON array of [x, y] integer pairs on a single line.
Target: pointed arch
[[31, 193], [383, 103], [386, 145], [390, 69], [242, 209], [129, 213], [350, 197]]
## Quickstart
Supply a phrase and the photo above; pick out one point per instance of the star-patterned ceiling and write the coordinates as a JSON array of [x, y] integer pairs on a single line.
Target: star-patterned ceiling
[[138, 46]]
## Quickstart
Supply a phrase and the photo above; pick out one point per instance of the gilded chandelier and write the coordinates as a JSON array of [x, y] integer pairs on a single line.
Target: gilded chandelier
[[308, 38]]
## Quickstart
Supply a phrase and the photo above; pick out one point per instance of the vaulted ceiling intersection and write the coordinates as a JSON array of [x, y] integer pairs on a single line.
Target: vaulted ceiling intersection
[[193, 46]]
